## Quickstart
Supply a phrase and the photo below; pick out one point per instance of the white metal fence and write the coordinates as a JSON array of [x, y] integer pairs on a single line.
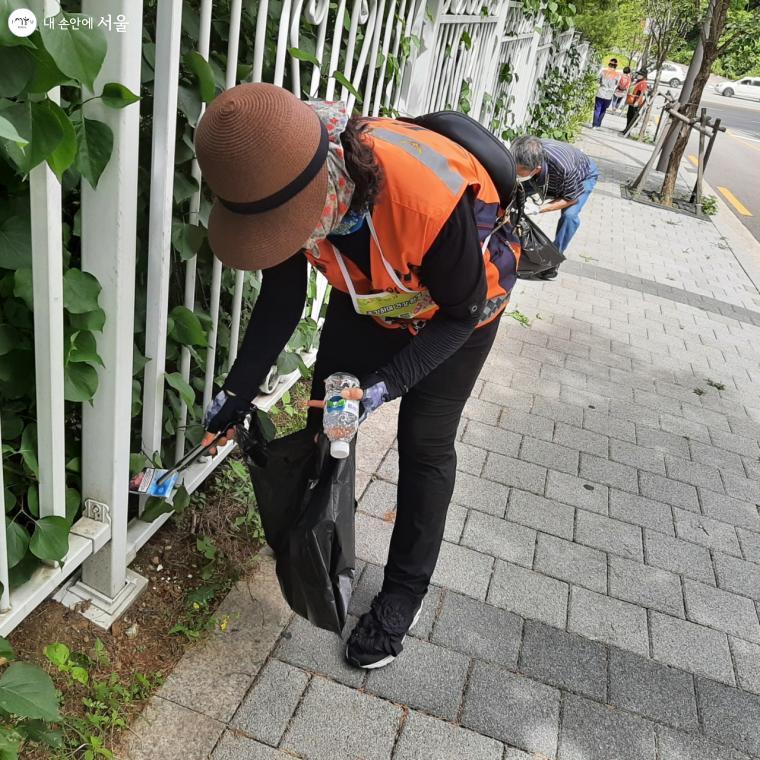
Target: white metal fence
[[397, 56]]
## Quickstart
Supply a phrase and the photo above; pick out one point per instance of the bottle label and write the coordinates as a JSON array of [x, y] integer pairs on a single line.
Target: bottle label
[[339, 404]]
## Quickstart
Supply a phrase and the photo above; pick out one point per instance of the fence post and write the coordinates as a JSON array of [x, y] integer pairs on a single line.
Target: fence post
[[108, 252], [418, 74], [492, 67], [527, 79]]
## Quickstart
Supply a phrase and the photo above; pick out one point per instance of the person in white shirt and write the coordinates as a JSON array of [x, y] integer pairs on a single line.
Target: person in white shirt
[[609, 78]]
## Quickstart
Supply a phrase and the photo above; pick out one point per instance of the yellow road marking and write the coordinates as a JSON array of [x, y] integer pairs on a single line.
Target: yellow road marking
[[734, 201], [693, 159]]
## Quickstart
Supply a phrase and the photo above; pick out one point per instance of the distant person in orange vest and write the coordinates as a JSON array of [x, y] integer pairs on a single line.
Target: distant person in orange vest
[[609, 77], [622, 90], [636, 98], [396, 217]]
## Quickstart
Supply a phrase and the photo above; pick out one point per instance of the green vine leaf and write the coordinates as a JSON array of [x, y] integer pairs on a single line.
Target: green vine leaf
[[85, 349], [203, 73], [187, 239], [80, 382], [92, 320], [28, 691], [78, 52], [41, 732], [8, 339], [154, 508], [8, 131], [95, 145], [184, 186], [22, 286], [181, 500], [73, 502], [33, 501], [341, 79], [65, 152], [189, 103], [28, 448], [17, 541], [46, 73], [15, 243], [303, 55], [186, 393], [80, 291], [50, 540], [186, 328], [38, 124], [116, 95], [7, 38], [6, 650]]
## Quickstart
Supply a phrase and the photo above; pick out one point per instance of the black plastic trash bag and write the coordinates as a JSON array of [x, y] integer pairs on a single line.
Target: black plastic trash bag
[[307, 503]]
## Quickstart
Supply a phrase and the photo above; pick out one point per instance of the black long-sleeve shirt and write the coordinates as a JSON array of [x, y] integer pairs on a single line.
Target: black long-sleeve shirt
[[452, 270]]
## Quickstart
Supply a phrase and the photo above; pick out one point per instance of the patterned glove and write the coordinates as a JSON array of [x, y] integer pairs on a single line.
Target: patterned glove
[[375, 395], [225, 411]]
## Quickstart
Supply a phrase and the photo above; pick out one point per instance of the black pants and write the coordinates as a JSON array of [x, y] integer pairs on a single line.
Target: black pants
[[427, 429], [631, 116]]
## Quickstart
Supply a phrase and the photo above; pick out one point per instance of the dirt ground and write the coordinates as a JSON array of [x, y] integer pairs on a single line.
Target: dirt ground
[[185, 585]]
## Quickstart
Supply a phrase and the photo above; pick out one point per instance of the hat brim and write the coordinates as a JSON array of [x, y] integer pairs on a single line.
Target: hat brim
[[261, 241]]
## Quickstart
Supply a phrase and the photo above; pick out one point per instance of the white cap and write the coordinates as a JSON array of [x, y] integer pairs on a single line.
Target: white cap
[[340, 449]]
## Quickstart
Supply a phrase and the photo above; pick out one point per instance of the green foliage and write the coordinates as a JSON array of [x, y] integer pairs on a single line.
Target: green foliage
[[709, 205], [28, 706], [103, 695], [565, 98]]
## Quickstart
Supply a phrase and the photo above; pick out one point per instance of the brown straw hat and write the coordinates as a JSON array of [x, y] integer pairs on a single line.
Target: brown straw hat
[[263, 153]]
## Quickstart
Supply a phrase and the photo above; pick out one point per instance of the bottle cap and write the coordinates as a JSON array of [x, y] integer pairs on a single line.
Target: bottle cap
[[340, 449]]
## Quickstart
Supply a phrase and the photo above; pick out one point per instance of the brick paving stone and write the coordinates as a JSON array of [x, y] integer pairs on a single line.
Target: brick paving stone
[[541, 514], [634, 412], [691, 647], [676, 745], [492, 438], [737, 575], [591, 731], [667, 490], [678, 556], [378, 499], [720, 609], [515, 472], [581, 397], [568, 414], [739, 444], [570, 489], [236, 747], [423, 738], [455, 519], [571, 562], [609, 473], [549, 455], [512, 708], [604, 424], [510, 753], [609, 535], [470, 459], [482, 411], [478, 629], [741, 488], [427, 677], [373, 537], [318, 651], [663, 441], [747, 661], [655, 691], [602, 618], [641, 511], [688, 428], [646, 586], [514, 398], [499, 538], [750, 543], [693, 473], [269, 705], [712, 455], [529, 594], [565, 660], [637, 456], [527, 424], [464, 570], [730, 716], [582, 440], [657, 401], [728, 510], [703, 530], [484, 495], [337, 723]]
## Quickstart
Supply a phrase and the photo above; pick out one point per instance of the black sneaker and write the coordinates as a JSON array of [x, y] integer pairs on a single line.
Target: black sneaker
[[378, 638]]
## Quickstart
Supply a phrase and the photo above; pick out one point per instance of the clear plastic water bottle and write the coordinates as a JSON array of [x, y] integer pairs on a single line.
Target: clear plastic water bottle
[[341, 419]]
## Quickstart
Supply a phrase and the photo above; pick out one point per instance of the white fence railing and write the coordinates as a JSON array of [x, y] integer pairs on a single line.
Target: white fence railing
[[398, 56]]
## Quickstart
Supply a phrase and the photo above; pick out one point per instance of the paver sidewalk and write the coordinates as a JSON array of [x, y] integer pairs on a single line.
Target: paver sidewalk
[[598, 590]]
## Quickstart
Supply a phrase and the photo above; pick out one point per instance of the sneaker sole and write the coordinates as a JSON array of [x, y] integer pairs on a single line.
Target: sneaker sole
[[390, 658]]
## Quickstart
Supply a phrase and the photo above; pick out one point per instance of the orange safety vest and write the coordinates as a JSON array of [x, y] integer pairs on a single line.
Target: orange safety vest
[[425, 176]]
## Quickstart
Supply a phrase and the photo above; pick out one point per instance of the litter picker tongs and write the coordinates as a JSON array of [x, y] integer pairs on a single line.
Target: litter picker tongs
[[191, 456]]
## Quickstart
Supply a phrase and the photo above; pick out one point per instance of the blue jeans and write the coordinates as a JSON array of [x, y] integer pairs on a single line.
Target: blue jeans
[[600, 108], [570, 219]]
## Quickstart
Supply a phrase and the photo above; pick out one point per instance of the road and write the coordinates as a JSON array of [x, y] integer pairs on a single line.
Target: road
[[734, 167]]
